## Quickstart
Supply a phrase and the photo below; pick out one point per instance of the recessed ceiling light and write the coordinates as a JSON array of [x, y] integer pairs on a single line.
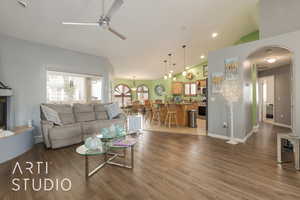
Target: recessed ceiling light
[[271, 60], [202, 56], [214, 35]]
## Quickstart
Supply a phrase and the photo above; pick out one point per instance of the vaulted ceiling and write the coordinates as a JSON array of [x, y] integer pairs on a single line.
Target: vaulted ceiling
[[153, 28]]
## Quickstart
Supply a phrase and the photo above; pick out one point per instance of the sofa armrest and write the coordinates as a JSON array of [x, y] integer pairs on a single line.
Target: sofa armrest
[[45, 126], [122, 116]]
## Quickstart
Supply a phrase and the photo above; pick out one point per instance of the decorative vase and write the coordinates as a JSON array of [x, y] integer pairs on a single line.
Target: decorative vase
[[120, 131], [93, 143]]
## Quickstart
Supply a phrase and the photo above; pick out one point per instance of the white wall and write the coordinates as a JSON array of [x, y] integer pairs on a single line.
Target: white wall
[[217, 113], [23, 67], [278, 17]]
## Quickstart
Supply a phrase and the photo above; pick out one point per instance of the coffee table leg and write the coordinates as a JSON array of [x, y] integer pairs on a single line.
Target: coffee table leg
[[86, 167], [132, 156], [296, 154]]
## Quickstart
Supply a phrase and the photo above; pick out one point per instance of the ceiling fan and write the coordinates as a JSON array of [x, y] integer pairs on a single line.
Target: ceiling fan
[[104, 20]]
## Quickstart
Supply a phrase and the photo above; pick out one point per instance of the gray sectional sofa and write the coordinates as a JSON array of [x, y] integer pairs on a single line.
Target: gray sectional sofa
[[77, 122]]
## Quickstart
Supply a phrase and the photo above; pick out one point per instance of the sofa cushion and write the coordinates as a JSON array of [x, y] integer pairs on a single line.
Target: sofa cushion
[[99, 107], [51, 115], [90, 128], [65, 131], [101, 115], [84, 112], [58, 143], [100, 111], [81, 108], [64, 111], [94, 127], [113, 110]]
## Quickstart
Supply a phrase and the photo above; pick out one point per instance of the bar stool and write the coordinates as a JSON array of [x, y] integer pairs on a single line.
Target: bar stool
[[171, 115], [156, 113], [148, 112]]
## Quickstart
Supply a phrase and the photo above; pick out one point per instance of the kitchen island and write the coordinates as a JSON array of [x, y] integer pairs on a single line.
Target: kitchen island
[[181, 112]]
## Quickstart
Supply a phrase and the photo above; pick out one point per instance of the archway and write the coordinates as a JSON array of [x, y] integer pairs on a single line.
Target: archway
[[272, 91]]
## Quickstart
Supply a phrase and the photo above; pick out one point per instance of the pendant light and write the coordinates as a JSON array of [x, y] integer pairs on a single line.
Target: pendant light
[[134, 85], [170, 61], [165, 76], [174, 78], [184, 61]]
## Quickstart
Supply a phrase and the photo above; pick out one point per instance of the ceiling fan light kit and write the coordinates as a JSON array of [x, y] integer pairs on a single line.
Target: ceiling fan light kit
[[105, 20]]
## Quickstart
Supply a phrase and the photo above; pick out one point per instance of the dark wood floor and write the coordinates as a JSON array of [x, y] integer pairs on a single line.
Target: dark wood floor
[[170, 166]]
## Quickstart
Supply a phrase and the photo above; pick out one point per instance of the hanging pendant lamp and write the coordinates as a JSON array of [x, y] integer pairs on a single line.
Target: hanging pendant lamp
[[184, 73], [170, 61], [166, 75]]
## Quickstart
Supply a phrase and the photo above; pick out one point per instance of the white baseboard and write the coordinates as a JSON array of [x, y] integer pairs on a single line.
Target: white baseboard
[[256, 127], [222, 137], [38, 139], [282, 125]]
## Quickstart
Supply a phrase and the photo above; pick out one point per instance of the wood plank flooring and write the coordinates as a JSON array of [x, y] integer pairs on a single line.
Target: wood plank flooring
[[170, 167]]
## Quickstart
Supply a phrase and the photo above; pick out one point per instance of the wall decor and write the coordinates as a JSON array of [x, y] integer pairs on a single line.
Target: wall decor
[[159, 90], [189, 76], [205, 70], [232, 92], [232, 68], [217, 79]]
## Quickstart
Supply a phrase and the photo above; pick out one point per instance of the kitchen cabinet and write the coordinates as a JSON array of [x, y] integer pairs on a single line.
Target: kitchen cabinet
[[177, 88]]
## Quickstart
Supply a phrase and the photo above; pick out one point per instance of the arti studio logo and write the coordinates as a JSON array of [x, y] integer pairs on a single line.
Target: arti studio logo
[[41, 183]]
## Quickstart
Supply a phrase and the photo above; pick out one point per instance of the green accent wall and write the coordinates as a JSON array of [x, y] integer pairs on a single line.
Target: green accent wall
[[254, 95], [248, 38], [149, 83], [197, 71]]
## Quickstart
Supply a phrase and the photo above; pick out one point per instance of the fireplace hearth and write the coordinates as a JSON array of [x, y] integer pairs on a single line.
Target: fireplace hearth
[[3, 113]]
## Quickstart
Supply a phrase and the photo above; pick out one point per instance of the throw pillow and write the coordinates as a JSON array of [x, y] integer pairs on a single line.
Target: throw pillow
[[113, 110], [51, 115]]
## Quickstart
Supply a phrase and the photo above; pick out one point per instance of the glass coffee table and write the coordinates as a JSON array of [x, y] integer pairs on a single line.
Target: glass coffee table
[[109, 143]]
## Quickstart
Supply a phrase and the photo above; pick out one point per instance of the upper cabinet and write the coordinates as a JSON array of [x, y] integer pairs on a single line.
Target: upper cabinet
[[177, 88]]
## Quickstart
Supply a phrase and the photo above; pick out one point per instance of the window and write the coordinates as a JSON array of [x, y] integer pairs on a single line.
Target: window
[[96, 89], [142, 93], [190, 89], [122, 95], [73, 88]]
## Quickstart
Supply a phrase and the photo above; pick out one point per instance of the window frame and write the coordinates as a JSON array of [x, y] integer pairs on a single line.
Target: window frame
[[142, 92], [122, 95], [87, 87], [190, 89]]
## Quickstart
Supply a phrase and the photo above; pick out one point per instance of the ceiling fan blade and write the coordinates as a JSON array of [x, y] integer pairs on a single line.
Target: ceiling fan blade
[[115, 6], [80, 24], [117, 34]]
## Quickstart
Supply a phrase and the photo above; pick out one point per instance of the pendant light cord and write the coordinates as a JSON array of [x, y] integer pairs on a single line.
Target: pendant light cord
[[184, 57]]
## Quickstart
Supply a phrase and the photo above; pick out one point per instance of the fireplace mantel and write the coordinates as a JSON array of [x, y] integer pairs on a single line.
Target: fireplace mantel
[[6, 92]]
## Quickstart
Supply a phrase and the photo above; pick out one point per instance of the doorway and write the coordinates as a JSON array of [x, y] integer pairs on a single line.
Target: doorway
[[266, 99], [274, 87]]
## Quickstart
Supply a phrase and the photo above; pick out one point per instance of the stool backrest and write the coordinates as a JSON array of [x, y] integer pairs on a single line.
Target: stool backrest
[[171, 107]]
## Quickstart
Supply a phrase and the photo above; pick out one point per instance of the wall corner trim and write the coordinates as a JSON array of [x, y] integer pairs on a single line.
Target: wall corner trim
[[247, 136]]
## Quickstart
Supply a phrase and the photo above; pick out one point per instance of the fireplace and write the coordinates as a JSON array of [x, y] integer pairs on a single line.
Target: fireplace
[[5, 94], [3, 113]]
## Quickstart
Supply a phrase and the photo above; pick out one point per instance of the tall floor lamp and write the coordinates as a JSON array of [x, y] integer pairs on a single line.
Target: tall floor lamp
[[232, 91]]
